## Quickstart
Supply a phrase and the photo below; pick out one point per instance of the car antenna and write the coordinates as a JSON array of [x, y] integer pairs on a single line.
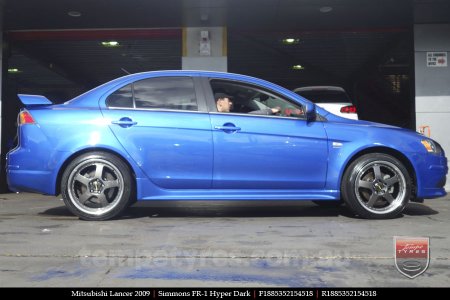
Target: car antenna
[[125, 71]]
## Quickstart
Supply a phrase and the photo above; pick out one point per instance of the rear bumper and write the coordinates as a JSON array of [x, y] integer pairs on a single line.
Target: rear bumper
[[33, 165], [35, 172], [30, 181]]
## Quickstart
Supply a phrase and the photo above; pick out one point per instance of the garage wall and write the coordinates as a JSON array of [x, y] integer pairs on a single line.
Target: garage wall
[[433, 84]]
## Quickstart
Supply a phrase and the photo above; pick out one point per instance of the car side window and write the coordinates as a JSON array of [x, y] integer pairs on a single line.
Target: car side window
[[166, 93], [176, 93], [249, 99], [123, 98]]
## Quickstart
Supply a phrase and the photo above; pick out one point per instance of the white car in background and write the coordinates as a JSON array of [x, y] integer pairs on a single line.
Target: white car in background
[[332, 98]]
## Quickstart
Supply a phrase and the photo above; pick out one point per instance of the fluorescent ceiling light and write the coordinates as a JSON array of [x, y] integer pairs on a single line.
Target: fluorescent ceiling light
[[110, 44], [298, 67], [325, 9], [290, 41], [74, 13]]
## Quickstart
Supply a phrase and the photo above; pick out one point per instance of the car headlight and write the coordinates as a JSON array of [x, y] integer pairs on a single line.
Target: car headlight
[[431, 146]]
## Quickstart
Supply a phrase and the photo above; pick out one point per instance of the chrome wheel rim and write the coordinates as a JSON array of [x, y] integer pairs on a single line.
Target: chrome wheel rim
[[95, 186], [380, 187]]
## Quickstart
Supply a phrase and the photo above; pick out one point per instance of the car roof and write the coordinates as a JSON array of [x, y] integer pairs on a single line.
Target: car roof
[[90, 98]]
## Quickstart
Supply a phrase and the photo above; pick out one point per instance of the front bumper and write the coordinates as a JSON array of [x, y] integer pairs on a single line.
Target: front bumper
[[431, 175]]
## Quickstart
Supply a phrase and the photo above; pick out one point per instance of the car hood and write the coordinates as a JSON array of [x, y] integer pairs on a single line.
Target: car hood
[[334, 118], [337, 119]]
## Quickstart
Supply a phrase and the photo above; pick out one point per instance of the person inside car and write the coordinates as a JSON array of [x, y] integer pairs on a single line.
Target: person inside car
[[224, 104]]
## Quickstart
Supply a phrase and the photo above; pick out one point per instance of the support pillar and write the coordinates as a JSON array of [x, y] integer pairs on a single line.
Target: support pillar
[[432, 73], [205, 48]]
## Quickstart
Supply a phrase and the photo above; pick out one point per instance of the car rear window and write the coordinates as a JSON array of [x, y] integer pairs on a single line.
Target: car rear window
[[123, 97], [176, 93], [166, 93], [325, 96]]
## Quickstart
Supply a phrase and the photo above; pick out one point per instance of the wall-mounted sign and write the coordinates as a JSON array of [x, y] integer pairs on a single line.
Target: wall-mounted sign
[[436, 59], [205, 43]]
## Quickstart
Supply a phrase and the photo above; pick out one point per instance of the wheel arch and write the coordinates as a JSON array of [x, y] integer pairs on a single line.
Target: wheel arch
[[96, 149], [389, 151]]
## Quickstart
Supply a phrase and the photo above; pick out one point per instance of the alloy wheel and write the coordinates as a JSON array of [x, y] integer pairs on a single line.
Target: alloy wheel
[[95, 186], [380, 187]]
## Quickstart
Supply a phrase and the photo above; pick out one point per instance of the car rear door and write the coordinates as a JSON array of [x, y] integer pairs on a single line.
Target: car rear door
[[163, 125]]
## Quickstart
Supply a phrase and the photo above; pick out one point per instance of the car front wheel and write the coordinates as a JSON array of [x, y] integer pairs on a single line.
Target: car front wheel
[[376, 186], [96, 186]]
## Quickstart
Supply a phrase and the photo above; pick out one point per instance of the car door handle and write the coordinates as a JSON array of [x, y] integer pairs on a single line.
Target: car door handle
[[124, 122], [227, 127]]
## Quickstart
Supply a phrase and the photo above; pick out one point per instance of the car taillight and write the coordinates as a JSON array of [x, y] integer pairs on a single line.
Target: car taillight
[[25, 118], [350, 109]]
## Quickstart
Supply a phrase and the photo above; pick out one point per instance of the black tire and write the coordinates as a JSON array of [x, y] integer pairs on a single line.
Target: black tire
[[97, 186], [376, 186], [328, 203]]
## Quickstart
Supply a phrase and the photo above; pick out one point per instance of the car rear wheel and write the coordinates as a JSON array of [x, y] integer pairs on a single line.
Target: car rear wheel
[[96, 186], [376, 186]]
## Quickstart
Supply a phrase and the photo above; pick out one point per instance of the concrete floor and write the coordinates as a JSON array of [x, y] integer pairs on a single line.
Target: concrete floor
[[217, 244]]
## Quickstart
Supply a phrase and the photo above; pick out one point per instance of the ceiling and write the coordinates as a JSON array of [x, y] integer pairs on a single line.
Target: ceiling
[[334, 46], [84, 61], [241, 14], [328, 58]]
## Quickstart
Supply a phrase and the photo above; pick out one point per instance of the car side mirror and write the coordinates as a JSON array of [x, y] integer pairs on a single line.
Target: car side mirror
[[310, 112]]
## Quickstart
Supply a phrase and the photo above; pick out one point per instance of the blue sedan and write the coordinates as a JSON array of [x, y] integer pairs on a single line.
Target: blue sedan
[[194, 135]]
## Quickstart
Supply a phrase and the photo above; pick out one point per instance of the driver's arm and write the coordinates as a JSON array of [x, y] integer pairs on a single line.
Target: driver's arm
[[266, 111], [276, 110]]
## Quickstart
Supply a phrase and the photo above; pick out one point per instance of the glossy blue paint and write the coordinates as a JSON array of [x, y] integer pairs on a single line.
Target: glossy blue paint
[[187, 155], [268, 153], [356, 136], [59, 133], [174, 149], [34, 100]]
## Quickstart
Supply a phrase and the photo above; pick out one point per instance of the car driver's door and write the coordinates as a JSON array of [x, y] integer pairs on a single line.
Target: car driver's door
[[254, 151]]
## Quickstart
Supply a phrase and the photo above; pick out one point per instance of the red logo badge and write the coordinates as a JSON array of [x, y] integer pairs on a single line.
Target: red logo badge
[[412, 255]]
